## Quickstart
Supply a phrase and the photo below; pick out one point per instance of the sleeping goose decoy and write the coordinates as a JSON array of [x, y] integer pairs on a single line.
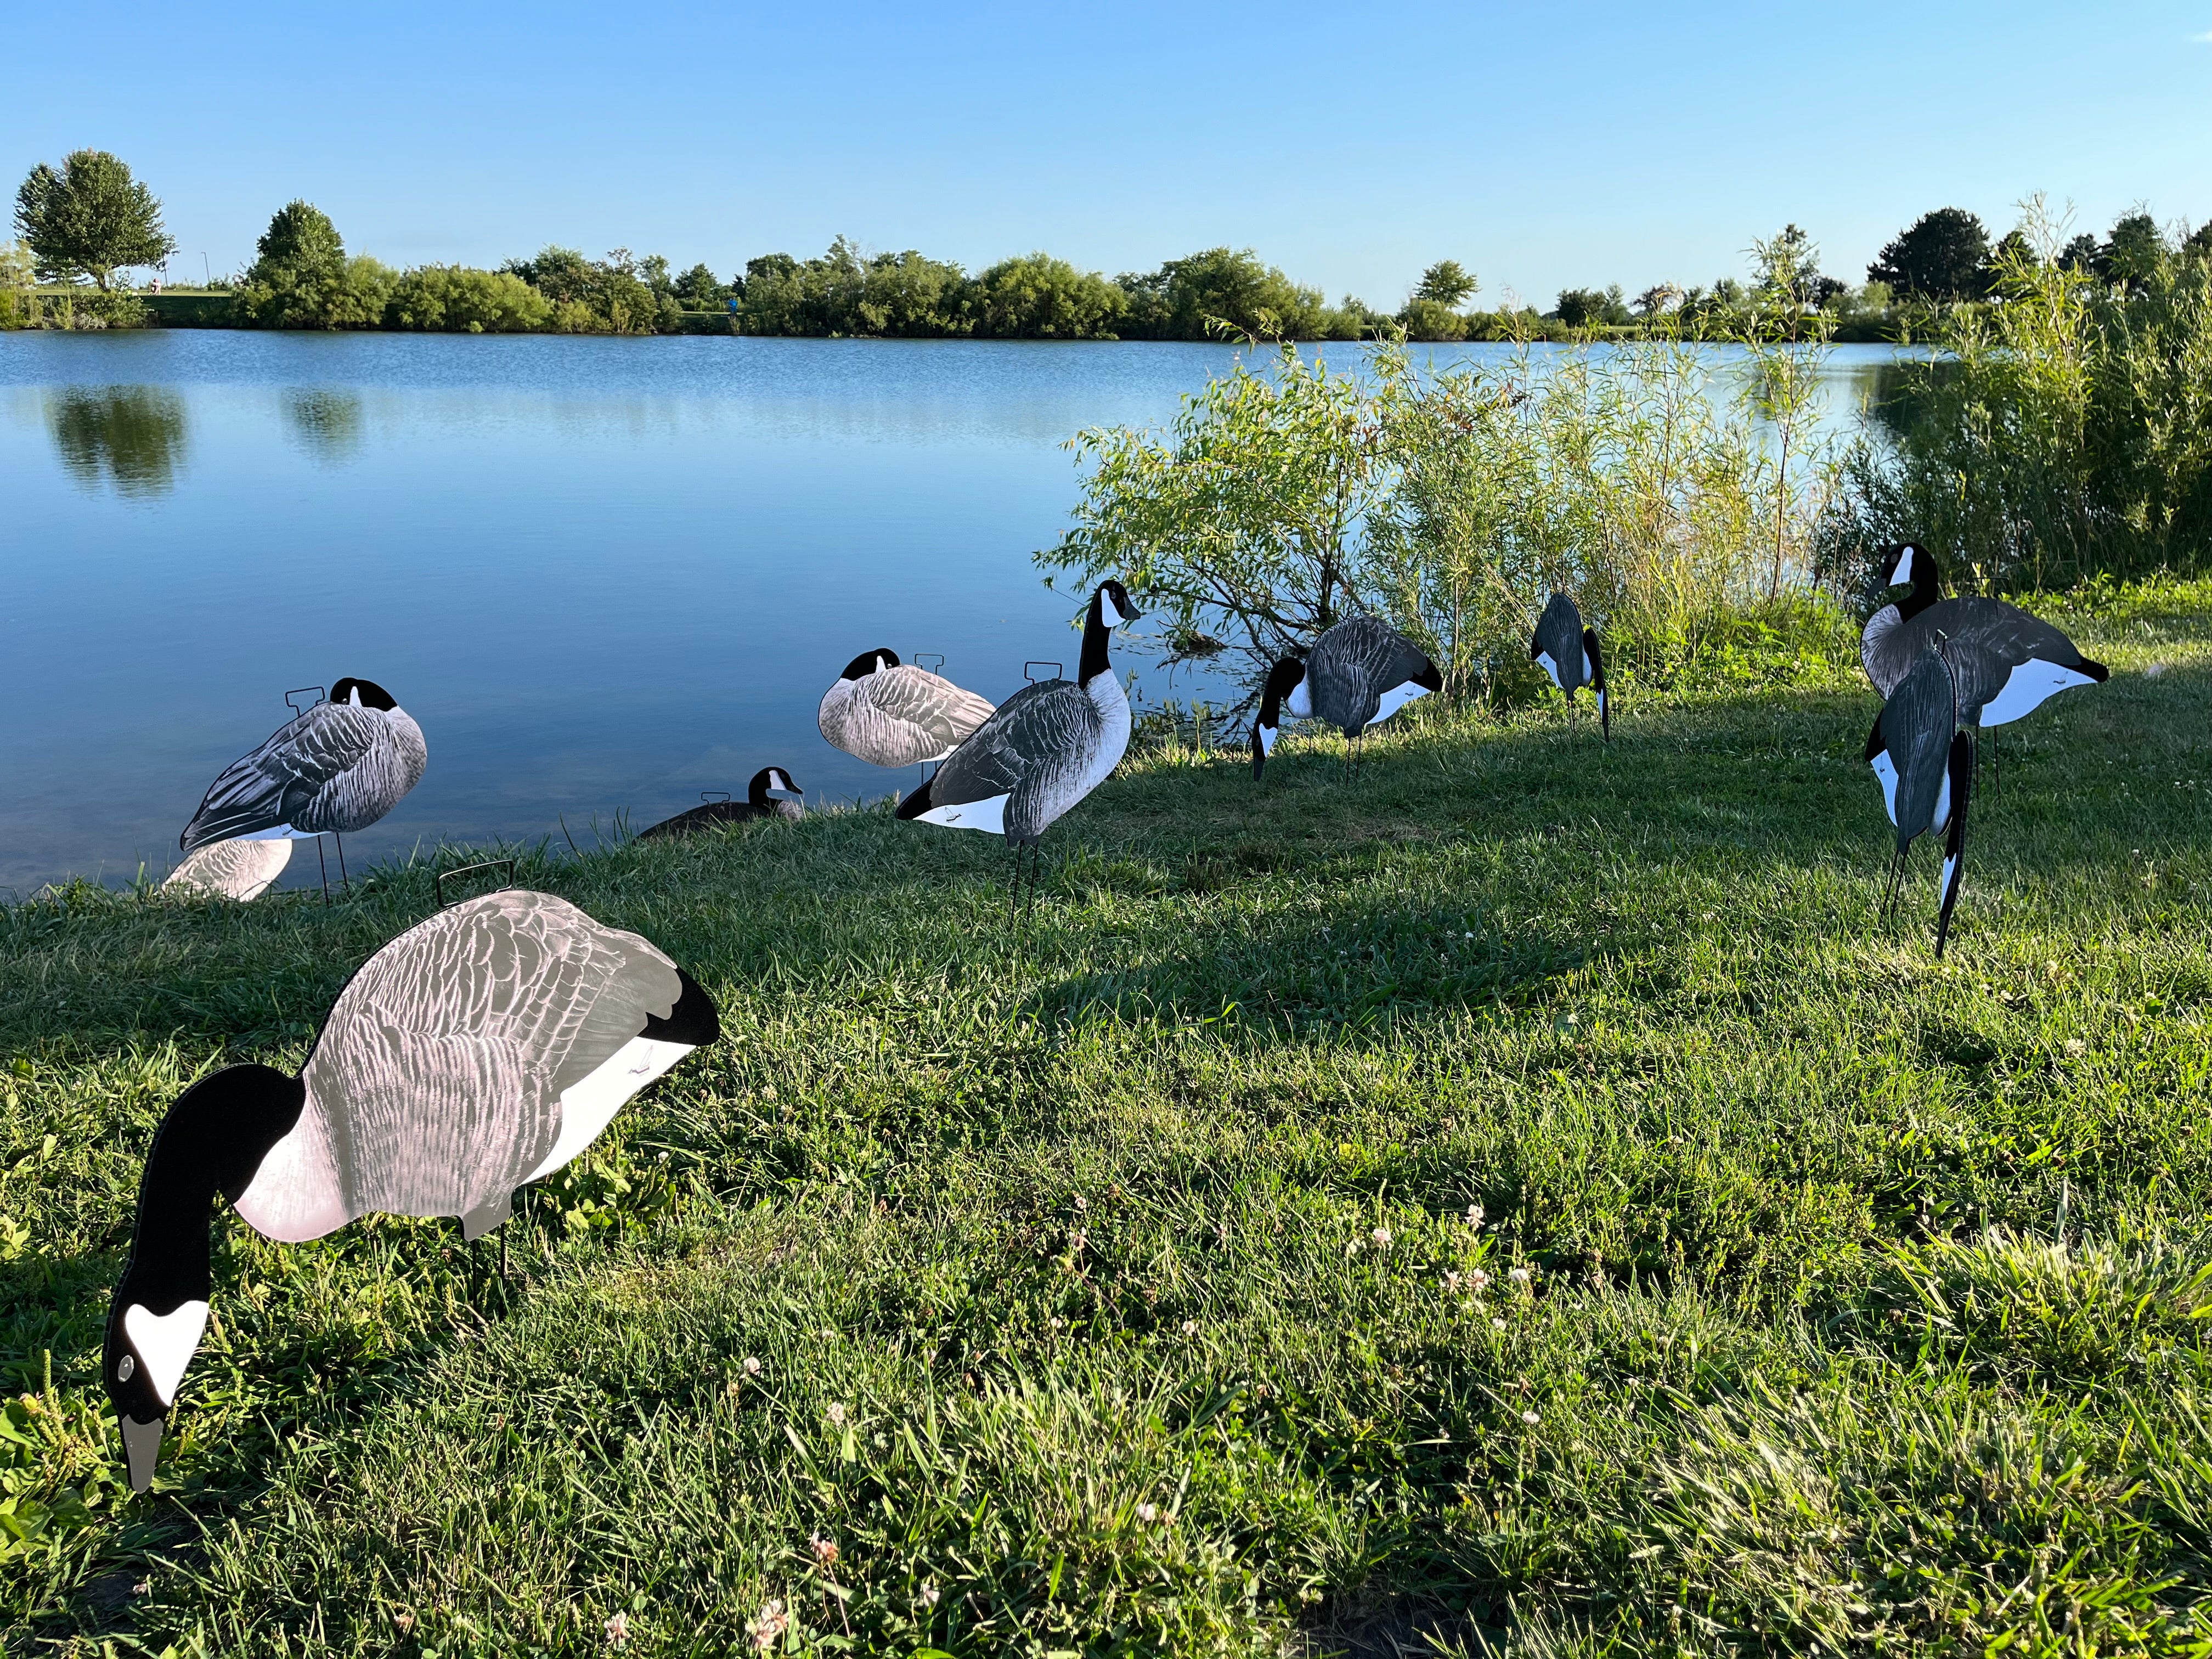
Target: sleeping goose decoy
[[758, 804], [1925, 764], [240, 870], [1041, 751], [1359, 673], [1570, 654], [2008, 662], [338, 767], [887, 712], [479, 1050]]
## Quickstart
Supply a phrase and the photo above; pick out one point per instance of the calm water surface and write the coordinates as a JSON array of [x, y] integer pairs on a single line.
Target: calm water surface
[[604, 575]]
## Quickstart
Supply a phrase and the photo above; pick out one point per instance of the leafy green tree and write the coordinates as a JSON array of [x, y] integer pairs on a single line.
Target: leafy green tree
[[1585, 307], [2135, 253], [2080, 254], [1448, 283], [90, 219], [457, 300], [1941, 258], [699, 290], [604, 296], [1220, 290], [1037, 297], [1425, 318], [2197, 244], [301, 276]]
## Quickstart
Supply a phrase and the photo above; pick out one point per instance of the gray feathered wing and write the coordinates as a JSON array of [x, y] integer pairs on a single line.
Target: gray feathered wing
[[1559, 636], [1355, 662], [1036, 749], [336, 767], [900, 716], [435, 1089]]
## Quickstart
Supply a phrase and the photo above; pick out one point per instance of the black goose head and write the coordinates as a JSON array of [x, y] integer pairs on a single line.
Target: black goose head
[[1110, 604], [1110, 609], [367, 693], [211, 1143], [1284, 677], [768, 778], [1910, 564], [868, 662]]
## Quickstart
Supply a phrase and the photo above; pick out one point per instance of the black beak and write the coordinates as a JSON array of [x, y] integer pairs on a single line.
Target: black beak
[[142, 1446]]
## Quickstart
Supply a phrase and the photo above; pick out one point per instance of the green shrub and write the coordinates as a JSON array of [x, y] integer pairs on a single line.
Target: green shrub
[[591, 296], [457, 299], [301, 276], [1037, 297]]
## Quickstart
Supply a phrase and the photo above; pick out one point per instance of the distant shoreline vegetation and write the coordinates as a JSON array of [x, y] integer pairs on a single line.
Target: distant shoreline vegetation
[[79, 224]]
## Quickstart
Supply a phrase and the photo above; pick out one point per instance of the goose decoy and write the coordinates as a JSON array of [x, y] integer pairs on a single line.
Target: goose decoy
[[337, 767], [2008, 662], [758, 804], [887, 712], [1359, 673], [1925, 763], [479, 1050], [1041, 752], [240, 870], [1570, 654]]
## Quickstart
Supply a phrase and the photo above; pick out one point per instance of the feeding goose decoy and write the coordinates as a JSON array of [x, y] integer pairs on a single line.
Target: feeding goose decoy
[[758, 804], [242, 870], [2008, 662], [339, 766], [1925, 763], [479, 1050], [887, 712], [1359, 673], [1571, 656], [1041, 752]]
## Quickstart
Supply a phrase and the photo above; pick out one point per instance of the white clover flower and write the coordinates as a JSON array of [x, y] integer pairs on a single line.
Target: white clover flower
[[929, 1594], [1148, 1512], [617, 1631], [1381, 1237], [1474, 1215], [836, 1413], [752, 1366], [1479, 1279], [1518, 1275], [1497, 1324], [768, 1630], [1530, 1418]]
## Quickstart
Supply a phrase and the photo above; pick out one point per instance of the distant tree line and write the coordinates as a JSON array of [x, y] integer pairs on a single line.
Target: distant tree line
[[85, 221]]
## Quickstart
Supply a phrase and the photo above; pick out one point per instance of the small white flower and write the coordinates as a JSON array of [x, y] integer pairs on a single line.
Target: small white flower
[[768, 1630], [1479, 1279], [1081, 1202], [929, 1594], [1518, 1275], [752, 1366], [1497, 1324], [617, 1631], [1530, 1418], [2075, 1046], [1451, 1281], [1058, 1323], [825, 1550], [1381, 1237], [836, 1413], [1474, 1216], [1190, 1328], [1148, 1512]]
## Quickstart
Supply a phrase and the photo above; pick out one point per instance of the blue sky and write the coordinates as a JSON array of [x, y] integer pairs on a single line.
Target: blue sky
[[1542, 146]]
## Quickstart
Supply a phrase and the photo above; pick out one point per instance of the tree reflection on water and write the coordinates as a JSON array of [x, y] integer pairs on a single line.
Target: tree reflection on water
[[130, 437], [325, 422]]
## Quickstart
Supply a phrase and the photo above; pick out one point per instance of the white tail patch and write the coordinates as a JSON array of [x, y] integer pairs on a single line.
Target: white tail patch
[[1885, 770], [2026, 687], [166, 1342], [586, 1107], [988, 816], [1396, 698], [1299, 704]]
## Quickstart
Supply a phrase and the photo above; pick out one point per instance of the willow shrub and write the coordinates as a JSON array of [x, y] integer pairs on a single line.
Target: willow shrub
[[2063, 433], [1454, 502]]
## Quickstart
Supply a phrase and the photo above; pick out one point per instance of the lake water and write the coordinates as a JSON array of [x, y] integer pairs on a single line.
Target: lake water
[[604, 575]]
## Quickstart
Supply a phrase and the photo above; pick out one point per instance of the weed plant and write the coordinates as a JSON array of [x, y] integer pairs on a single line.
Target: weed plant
[[1522, 1196]]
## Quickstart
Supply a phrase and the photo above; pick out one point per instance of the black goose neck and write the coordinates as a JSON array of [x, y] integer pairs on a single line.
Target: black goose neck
[[1927, 586], [1098, 639]]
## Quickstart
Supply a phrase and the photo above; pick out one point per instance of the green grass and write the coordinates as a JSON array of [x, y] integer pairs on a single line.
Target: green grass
[[1866, 1297]]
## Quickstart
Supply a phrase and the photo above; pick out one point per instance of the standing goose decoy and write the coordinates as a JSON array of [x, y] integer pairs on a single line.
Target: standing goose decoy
[[1570, 654], [1359, 673], [890, 713], [338, 767], [479, 1050], [240, 870], [758, 804], [1925, 764], [1041, 752], [2008, 663]]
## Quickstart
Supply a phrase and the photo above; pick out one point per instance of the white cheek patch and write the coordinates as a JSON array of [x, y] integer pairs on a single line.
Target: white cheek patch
[[1886, 771], [988, 816], [1266, 739], [1396, 698], [1299, 704], [588, 1106], [2026, 688], [1550, 667], [166, 1342], [1106, 613], [1903, 574]]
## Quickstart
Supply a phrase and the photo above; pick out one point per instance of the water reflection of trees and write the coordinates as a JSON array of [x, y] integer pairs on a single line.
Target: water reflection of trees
[[326, 422], [130, 437]]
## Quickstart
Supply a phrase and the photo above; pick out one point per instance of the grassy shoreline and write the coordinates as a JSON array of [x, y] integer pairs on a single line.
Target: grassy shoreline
[[1101, 1275]]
